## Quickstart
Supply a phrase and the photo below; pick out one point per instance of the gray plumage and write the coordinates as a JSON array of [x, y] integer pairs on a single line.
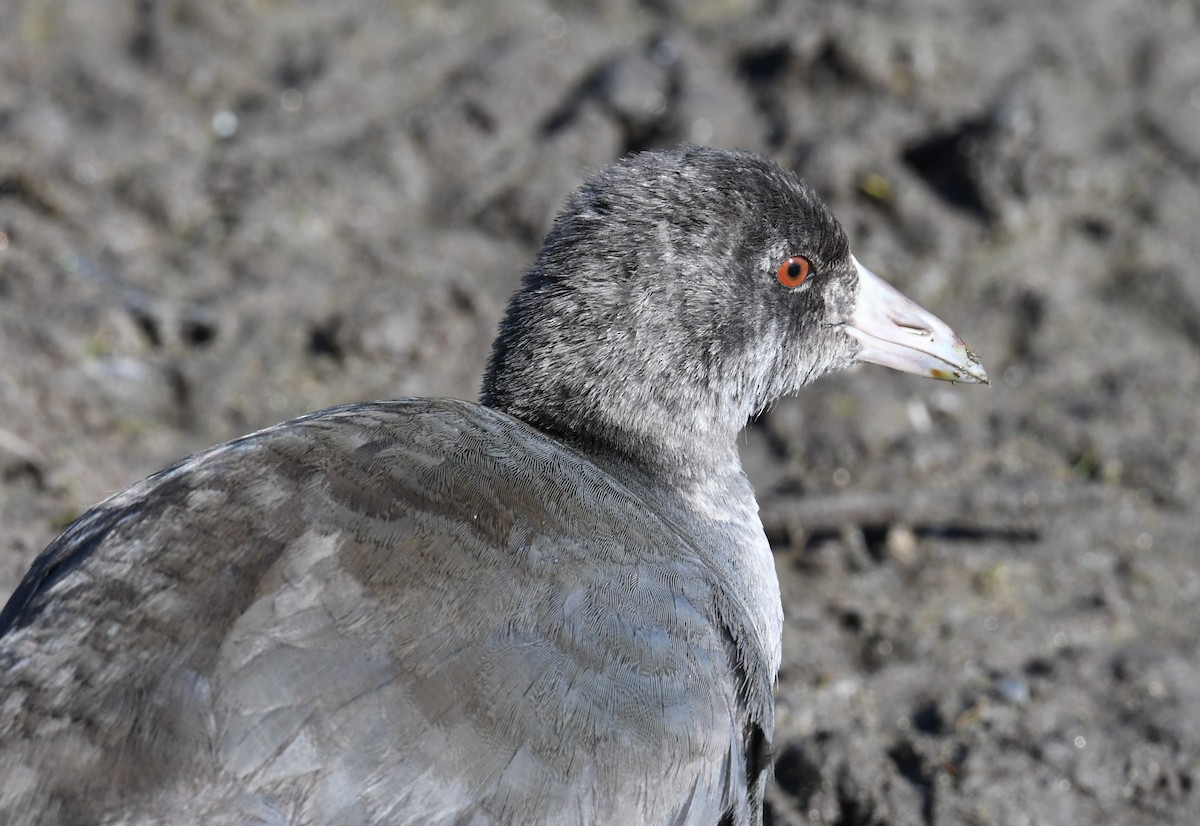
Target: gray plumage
[[555, 607]]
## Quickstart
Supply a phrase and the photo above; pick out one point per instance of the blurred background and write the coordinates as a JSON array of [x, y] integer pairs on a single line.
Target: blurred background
[[218, 215]]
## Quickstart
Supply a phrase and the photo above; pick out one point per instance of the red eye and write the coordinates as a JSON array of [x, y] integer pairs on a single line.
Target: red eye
[[793, 271]]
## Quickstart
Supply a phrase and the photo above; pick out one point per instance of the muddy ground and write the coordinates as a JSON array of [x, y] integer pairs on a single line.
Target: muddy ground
[[217, 215]]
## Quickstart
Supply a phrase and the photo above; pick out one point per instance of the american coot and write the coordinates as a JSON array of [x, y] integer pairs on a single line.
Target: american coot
[[557, 606]]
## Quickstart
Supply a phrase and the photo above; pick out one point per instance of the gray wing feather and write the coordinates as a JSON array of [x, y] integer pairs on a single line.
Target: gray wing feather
[[406, 612]]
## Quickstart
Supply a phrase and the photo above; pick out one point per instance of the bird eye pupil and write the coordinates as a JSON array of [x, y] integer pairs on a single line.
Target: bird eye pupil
[[794, 269]]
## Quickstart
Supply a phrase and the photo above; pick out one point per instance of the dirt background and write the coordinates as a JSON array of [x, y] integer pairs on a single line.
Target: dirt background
[[217, 215]]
